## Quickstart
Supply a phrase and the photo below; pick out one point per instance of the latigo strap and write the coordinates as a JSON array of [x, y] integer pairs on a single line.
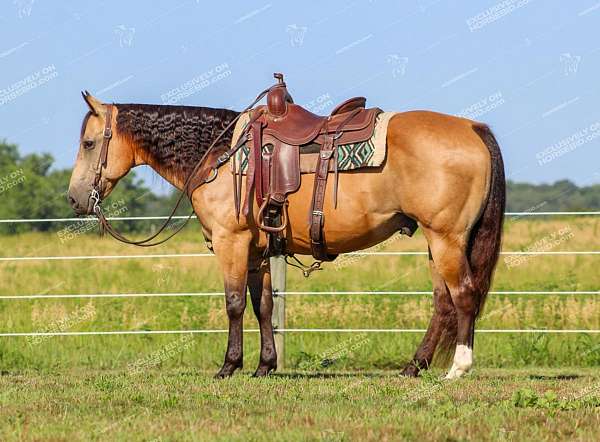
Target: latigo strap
[[317, 236]]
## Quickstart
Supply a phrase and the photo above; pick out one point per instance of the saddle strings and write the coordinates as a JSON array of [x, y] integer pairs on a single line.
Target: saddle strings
[[106, 226]]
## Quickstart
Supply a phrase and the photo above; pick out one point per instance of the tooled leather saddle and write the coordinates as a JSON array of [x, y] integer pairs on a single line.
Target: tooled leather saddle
[[279, 133]]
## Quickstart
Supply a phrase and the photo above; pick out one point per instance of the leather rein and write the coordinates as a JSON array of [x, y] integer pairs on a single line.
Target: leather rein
[[95, 196]]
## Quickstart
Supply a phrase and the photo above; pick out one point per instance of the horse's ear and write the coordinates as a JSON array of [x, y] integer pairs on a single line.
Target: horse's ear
[[95, 105]]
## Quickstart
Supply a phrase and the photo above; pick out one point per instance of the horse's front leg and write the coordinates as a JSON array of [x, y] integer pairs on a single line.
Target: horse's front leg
[[232, 252], [259, 283]]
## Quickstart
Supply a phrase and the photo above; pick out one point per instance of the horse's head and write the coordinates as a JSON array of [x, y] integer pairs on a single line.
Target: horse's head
[[103, 157]]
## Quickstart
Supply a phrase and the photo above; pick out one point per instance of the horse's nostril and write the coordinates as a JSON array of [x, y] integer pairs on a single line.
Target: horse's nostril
[[72, 201]]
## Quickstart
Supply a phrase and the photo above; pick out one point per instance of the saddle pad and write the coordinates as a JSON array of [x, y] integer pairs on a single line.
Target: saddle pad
[[370, 153]]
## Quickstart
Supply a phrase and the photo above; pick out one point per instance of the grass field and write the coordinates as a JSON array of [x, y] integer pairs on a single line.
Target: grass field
[[184, 405], [335, 387]]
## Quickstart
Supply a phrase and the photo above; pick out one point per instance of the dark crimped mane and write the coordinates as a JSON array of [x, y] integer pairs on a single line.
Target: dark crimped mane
[[174, 136]]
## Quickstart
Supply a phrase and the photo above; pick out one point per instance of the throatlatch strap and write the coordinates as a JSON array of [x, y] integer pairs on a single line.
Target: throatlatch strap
[[106, 137]]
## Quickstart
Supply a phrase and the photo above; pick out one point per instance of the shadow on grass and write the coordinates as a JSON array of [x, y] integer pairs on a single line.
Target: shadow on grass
[[335, 375], [558, 377]]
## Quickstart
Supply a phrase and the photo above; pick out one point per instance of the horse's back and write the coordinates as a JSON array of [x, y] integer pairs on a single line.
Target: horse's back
[[431, 133]]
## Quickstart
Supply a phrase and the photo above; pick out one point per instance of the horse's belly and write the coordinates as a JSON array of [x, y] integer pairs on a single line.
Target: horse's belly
[[359, 221]]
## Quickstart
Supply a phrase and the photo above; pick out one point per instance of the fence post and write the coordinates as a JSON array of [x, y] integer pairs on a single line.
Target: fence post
[[278, 275]]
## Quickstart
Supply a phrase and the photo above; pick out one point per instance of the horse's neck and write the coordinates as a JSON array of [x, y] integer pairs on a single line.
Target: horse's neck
[[172, 139], [172, 176]]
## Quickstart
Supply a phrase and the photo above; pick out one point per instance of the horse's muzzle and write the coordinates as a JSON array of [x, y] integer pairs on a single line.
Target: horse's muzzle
[[78, 207]]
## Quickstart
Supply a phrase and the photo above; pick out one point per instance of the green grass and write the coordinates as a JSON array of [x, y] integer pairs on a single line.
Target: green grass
[[337, 386], [186, 405]]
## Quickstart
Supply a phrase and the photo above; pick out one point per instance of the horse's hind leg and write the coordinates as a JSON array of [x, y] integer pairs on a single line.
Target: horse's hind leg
[[259, 283], [443, 318], [448, 251]]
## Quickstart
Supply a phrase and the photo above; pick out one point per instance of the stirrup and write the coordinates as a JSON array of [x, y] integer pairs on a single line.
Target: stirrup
[[270, 229]]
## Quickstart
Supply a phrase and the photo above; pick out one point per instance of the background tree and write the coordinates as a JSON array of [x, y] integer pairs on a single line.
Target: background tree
[[30, 188]]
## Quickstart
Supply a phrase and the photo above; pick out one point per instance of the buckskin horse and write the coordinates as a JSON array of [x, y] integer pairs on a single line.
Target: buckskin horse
[[443, 173]]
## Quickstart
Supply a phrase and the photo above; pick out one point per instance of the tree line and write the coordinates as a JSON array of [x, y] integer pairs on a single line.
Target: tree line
[[31, 188]]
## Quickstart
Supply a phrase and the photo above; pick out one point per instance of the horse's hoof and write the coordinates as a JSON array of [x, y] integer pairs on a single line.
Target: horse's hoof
[[227, 370], [456, 373], [263, 370], [410, 371]]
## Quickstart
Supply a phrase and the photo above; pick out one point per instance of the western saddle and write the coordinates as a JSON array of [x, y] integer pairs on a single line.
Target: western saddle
[[279, 133]]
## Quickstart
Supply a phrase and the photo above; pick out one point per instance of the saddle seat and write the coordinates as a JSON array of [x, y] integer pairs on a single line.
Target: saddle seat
[[295, 125]]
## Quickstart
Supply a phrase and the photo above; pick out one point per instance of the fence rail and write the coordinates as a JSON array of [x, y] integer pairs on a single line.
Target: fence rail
[[210, 255], [280, 330], [291, 330], [298, 293], [158, 218]]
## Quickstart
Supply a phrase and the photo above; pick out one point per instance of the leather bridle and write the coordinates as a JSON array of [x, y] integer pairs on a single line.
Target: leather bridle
[[96, 193], [102, 159]]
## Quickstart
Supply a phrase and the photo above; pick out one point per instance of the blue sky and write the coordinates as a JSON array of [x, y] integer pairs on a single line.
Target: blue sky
[[529, 68]]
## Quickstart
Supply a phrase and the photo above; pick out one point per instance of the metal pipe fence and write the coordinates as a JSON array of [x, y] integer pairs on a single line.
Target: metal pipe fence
[[280, 292]]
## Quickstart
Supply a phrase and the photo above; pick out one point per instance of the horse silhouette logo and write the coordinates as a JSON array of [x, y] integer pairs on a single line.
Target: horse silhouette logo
[[296, 34], [398, 65], [125, 35], [570, 63], [23, 7]]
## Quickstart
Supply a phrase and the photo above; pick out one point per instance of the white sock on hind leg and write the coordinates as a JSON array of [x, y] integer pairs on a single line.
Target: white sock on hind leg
[[463, 360]]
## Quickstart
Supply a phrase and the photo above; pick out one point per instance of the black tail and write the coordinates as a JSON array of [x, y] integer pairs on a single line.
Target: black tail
[[486, 235]]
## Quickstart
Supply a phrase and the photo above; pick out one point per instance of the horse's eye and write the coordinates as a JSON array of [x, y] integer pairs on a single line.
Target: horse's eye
[[88, 144]]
